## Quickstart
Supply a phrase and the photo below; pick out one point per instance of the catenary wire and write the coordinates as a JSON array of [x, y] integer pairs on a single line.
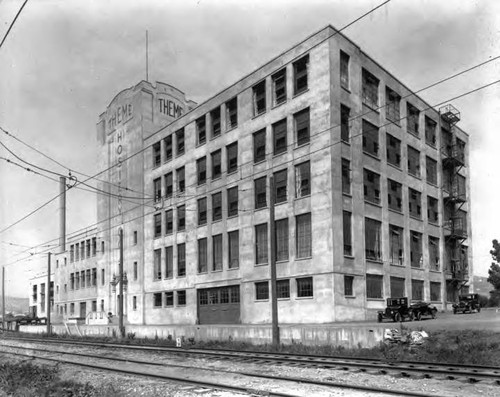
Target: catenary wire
[[12, 23]]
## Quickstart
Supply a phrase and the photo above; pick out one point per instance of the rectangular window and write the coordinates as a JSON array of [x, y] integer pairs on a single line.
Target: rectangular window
[[395, 195], [77, 251], [259, 98], [94, 276], [103, 278], [202, 255], [216, 207], [413, 162], [300, 68], [344, 123], [201, 170], [374, 286], [280, 186], [435, 291], [157, 189], [87, 248], [434, 253], [169, 299], [217, 252], [392, 102], [372, 240], [157, 265], [396, 245], [202, 211], [216, 164], [169, 222], [169, 185], [431, 170], [369, 89], [82, 278], [432, 210], [303, 179], [412, 116], [72, 281], [281, 227], [415, 249], [346, 176], [181, 259], [232, 113], [134, 241], [430, 131], [181, 180], [181, 217], [261, 244], [371, 186], [283, 289], [393, 148], [302, 126], [157, 299], [201, 130], [304, 287], [260, 193], [233, 249], [348, 285], [232, 201], [156, 154], [259, 146], [303, 236], [135, 271], [134, 303], [279, 87], [262, 291], [168, 145], [169, 262], [181, 298], [397, 287], [179, 136], [157, 223], [232, 157], [415, 203], [279, 137], [94, 247], [344, 70], [370, 138], [347, 228], [215, 122], [417, 290]]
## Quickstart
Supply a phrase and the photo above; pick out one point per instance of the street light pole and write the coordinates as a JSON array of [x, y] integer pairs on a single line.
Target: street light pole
[[48, 294]]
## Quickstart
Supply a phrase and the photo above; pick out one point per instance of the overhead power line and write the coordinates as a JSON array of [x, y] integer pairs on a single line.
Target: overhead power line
[[12, 23]]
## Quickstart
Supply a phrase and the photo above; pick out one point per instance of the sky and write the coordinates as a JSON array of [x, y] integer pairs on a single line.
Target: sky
[[64, 61]]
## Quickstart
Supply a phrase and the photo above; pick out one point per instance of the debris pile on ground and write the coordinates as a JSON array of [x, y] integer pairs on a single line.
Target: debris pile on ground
[[413, 338]]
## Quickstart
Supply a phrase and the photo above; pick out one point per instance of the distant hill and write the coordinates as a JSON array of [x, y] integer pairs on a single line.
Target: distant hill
[[15, 305], [482, 286]]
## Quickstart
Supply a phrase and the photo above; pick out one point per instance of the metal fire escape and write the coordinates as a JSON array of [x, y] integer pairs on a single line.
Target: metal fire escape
[[454, 197]]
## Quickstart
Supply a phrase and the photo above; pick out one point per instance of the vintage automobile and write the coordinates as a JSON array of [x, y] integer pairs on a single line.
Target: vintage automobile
[[467, 303], [421, 309], [397, 309]]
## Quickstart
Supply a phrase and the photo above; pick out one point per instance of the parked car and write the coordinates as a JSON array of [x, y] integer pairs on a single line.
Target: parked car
[[27, 319], [467, 303], [397, 309], [421, 309]]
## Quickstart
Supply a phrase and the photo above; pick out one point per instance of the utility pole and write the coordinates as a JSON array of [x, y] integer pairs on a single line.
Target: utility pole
[[274, 297], [48, 295], [3, 297], [120, 301]]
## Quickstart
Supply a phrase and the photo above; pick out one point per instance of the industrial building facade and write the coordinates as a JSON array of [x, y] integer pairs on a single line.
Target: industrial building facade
[[370, 187]]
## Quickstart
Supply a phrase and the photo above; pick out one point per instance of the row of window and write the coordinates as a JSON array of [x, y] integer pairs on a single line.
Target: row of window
[[304, 289], [375, 288], [83, 279], [166, 299], [84, 249], [63, 308]]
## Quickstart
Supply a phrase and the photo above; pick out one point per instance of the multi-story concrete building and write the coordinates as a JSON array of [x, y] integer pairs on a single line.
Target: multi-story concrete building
[[370, 190]]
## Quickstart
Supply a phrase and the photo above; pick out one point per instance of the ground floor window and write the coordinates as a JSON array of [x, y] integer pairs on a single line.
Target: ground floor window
[[304, 287], [417, 290], [374, 286]]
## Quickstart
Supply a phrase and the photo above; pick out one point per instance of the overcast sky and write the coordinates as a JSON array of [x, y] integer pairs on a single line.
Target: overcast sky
[[64, 61]]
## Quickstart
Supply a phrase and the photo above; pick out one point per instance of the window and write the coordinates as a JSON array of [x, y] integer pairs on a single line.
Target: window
[[181, 298], [181, 180], [370, 138], [217, 252], [232, 113], [417, 290], [431, 170], [233, 249], [346, 176], [413, 162], [392, 101], [259, 98], [102, 247], [216, 164], [157, 223], [302, 126], [169, 299], [348, 285], [169, 222], [415, 249], [260, 193], [232, 201], [396, 245], [82, 279], [103, 280], [72, 281], [303, 235], [201, 170], [369, 89], [374, 286], [135, 271], [303, 179], [157, 265], [262, 291], [415, 205], [300, 75], [432, 210], [216, 207], [283, 289], [395, 195], [259, 146], [94, 248], [215, 122], [279, 137], [435, 291], [281, 228], [371, 186], [169, 262], [134, 303], [181, 217], [372, 240], [201, 130], [179, 135], [94, 276], [77, 251], [280, 186], [157, 299], [430, 131], [397, 287], [167, 144], [261, 244], [304, 287], [344, 70], [344, 123], [181, 259], [156, 190], [433, 253], [202, 255], [412, 115], [87, 247], [393, 149], [202, 211], [82, 250], [156, 154], [279, 87], [347, 229], [134, 241], [232, 157]]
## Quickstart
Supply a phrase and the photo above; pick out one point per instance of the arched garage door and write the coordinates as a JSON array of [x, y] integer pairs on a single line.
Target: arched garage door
[[219, 305]]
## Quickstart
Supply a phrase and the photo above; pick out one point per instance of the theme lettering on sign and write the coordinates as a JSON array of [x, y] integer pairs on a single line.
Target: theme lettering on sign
[[169, 108], [119, 115]]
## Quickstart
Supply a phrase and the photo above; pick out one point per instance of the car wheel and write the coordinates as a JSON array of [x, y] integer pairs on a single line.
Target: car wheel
[[479, 309], [379, 318], [419, 316], [454, 311], [433, 313], [397, 317]]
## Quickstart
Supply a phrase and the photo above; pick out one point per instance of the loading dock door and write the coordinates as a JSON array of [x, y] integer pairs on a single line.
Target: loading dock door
[[219, 305]]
